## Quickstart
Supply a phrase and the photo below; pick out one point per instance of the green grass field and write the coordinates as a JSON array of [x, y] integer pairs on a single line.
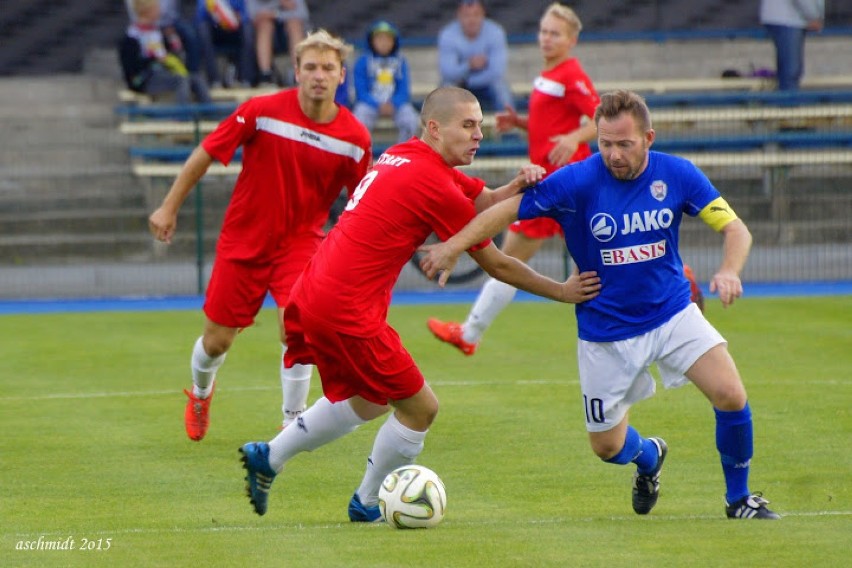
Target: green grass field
[[93, 448]]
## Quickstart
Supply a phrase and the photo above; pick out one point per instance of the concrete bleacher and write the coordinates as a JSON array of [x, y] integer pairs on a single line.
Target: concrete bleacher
[[679, 75], [90, 204], [44, 36], [656, 63], [69, 198], [684, 71], [756, 140]]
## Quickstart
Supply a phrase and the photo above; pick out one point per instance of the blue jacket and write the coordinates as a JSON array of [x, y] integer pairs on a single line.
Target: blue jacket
[[380, 79]]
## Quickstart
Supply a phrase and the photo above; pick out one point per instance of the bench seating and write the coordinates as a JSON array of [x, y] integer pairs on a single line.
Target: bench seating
[[522, 88], [515, 147], [158, 127], [667, 116], [756, 159], [758, 111], [743, 133]]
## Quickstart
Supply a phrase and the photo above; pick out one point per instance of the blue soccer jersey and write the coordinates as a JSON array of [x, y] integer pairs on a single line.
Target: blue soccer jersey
[[628, 232]]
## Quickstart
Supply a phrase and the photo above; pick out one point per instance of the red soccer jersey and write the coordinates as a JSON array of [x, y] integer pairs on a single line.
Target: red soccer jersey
[[560, 98], [409, 194], [293, 170]]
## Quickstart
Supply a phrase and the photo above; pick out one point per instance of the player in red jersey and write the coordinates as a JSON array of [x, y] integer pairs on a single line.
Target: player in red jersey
[[300, 149], [562, 100], [337, 315]]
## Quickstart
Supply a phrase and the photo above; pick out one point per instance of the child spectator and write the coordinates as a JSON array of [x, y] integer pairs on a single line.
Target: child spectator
[[181, 38], [149, 64], [225, 25], [383, 84]]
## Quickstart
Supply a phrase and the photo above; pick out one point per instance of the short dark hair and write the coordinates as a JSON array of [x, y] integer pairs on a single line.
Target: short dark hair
[[621, 101], [440, 104]]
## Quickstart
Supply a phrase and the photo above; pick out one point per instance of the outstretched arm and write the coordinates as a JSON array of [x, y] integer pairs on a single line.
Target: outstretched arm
[[579, 287], [442, 257], [163, 222], [527, 176]]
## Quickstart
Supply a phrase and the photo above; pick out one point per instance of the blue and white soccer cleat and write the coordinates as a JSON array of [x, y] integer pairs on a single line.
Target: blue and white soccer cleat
[[260, 476], [360, 513]]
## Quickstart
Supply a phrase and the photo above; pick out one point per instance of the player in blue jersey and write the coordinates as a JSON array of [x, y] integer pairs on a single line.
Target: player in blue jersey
[[620, 211]]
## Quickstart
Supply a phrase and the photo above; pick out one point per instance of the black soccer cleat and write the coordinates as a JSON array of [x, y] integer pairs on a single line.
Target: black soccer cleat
[[646, 487], [751, 507]]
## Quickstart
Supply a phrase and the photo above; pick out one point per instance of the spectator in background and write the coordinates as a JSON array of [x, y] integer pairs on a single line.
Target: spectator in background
[[788, 22], [265, 14], [225, 24], [151, 64], [180, 38], [473, 54], [383, 84]]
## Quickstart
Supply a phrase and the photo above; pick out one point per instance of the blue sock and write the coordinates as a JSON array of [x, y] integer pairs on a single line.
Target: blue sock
[[647, 459], [636, 449], [735, 442]]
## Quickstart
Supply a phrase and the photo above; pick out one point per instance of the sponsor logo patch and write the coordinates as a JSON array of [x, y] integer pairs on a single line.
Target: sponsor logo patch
[[603, 227], [633, 254]]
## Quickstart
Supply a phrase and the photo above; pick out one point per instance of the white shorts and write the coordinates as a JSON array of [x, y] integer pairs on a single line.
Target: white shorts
[[615, 375], [300, 11]]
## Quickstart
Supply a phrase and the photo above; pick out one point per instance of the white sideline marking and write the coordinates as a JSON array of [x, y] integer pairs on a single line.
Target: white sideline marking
[[300, 526]]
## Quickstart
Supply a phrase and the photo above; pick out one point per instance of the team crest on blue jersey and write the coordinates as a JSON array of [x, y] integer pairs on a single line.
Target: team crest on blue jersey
[[603, 227], [659, 189]]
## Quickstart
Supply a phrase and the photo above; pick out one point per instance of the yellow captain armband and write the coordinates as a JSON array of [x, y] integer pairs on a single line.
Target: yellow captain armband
[[717, 214]]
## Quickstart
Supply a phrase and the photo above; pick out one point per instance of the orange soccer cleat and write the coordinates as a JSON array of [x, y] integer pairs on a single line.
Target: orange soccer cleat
[[451, 332], [196, 416]]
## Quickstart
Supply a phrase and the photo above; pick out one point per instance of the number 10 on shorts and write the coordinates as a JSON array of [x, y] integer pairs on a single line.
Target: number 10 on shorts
[[594, 410]]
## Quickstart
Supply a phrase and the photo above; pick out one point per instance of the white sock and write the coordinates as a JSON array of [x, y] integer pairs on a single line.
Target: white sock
[[204, 369], [322, 423], [493, 298], [395, 446], [295, 384]]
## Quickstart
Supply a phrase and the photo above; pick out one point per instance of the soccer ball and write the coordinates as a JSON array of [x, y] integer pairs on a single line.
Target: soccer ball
[[412, 497]]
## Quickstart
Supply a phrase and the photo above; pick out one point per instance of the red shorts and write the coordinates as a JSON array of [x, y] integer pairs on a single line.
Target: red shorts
[[539, 228], [237, 289], [377, 368]]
